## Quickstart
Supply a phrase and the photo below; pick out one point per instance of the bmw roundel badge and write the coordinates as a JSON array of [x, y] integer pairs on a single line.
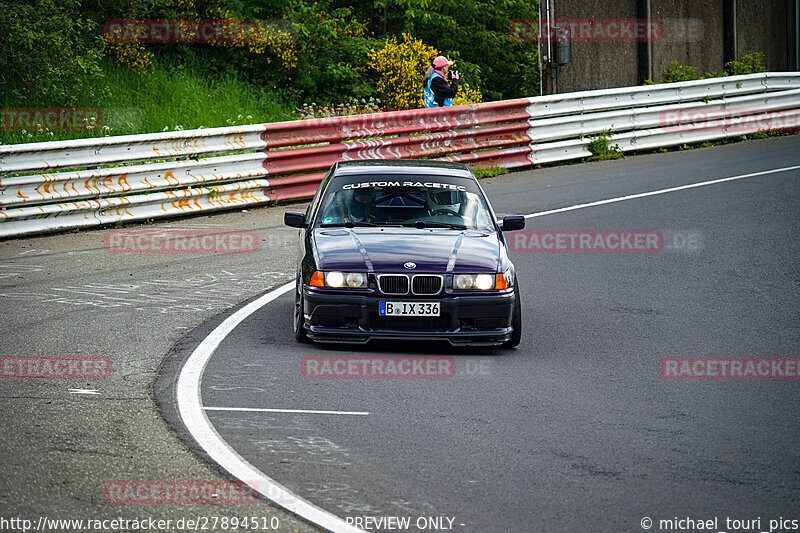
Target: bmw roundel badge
[[410, 265]]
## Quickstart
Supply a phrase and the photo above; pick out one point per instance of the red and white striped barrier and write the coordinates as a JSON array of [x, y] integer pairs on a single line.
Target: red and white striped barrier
[[60, 185]]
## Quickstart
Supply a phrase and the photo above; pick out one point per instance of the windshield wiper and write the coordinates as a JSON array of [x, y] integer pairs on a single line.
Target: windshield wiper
[[422, 224], [348, 225]]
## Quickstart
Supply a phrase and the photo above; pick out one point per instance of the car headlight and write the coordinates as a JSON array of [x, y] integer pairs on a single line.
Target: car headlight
[[481, 282], [355, 280], [336, 279]]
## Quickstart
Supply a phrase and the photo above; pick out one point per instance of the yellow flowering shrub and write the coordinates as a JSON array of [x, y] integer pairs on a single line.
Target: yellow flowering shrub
[[258, 39], [278, 41], [401, 67], [467, 95], [132, 55]]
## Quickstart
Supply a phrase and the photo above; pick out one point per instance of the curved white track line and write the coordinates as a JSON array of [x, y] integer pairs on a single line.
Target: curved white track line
[[196, 421]]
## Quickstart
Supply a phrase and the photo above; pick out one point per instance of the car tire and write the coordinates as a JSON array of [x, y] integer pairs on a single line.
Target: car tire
[[300, 334], [516, 321]]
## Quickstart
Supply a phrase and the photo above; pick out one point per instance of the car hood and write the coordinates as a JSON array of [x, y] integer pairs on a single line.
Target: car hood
[[388, 249]]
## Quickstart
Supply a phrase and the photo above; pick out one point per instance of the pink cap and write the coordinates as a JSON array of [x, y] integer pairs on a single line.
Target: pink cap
[[441, 61]]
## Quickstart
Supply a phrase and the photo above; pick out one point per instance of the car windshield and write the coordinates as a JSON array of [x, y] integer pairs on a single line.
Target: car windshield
[[422, 203]]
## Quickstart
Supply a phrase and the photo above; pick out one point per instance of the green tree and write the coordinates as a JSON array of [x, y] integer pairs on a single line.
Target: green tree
[[332, 48]]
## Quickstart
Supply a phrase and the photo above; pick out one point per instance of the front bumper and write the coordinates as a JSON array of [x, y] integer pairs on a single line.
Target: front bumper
[[465, 320]]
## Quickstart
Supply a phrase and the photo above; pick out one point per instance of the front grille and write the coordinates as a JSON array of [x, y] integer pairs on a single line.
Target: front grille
[[438, 323], [393, 284], [426, 284]]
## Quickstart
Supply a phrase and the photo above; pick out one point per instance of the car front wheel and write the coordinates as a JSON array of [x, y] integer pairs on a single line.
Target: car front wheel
[[299, 316]]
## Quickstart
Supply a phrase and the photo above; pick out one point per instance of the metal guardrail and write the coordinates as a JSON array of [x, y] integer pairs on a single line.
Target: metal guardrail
[[60, 185]]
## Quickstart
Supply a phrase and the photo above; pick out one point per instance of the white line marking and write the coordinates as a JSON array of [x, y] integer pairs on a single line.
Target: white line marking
[[83, 391], [661, 191], [196, 421], [307, 411]]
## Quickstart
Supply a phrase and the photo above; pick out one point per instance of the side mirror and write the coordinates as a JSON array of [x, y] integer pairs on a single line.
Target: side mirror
[[513, 223], [294, 219]]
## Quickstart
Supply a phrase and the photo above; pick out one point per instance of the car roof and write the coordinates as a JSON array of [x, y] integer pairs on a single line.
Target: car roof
[[403, 166]]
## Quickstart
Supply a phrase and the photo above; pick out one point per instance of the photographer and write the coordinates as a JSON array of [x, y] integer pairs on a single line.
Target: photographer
[[436, 91]]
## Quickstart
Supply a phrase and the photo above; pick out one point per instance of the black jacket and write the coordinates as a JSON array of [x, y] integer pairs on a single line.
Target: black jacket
[[441, 90]]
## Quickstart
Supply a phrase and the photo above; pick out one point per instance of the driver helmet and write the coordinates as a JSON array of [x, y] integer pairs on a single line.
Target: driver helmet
[[360, 204]]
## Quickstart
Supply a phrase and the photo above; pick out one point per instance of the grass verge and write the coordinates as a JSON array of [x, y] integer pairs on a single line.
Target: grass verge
[[173, 97]]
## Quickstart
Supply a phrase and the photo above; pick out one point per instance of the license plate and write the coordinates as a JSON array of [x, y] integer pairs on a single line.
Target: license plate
[[408, 308]]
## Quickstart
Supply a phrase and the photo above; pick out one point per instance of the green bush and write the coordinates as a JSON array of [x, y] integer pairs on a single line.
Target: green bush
[[49, 53], [679, 72], [331, 52], [600, 148], [748, 64]]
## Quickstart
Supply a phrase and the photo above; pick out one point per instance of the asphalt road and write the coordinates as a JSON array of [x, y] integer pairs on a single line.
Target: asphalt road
[[574, 430], [67, 295]]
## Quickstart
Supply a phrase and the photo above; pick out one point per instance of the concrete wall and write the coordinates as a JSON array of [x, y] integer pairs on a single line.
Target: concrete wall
[[597, 65], [761, 26], [693, 34]]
